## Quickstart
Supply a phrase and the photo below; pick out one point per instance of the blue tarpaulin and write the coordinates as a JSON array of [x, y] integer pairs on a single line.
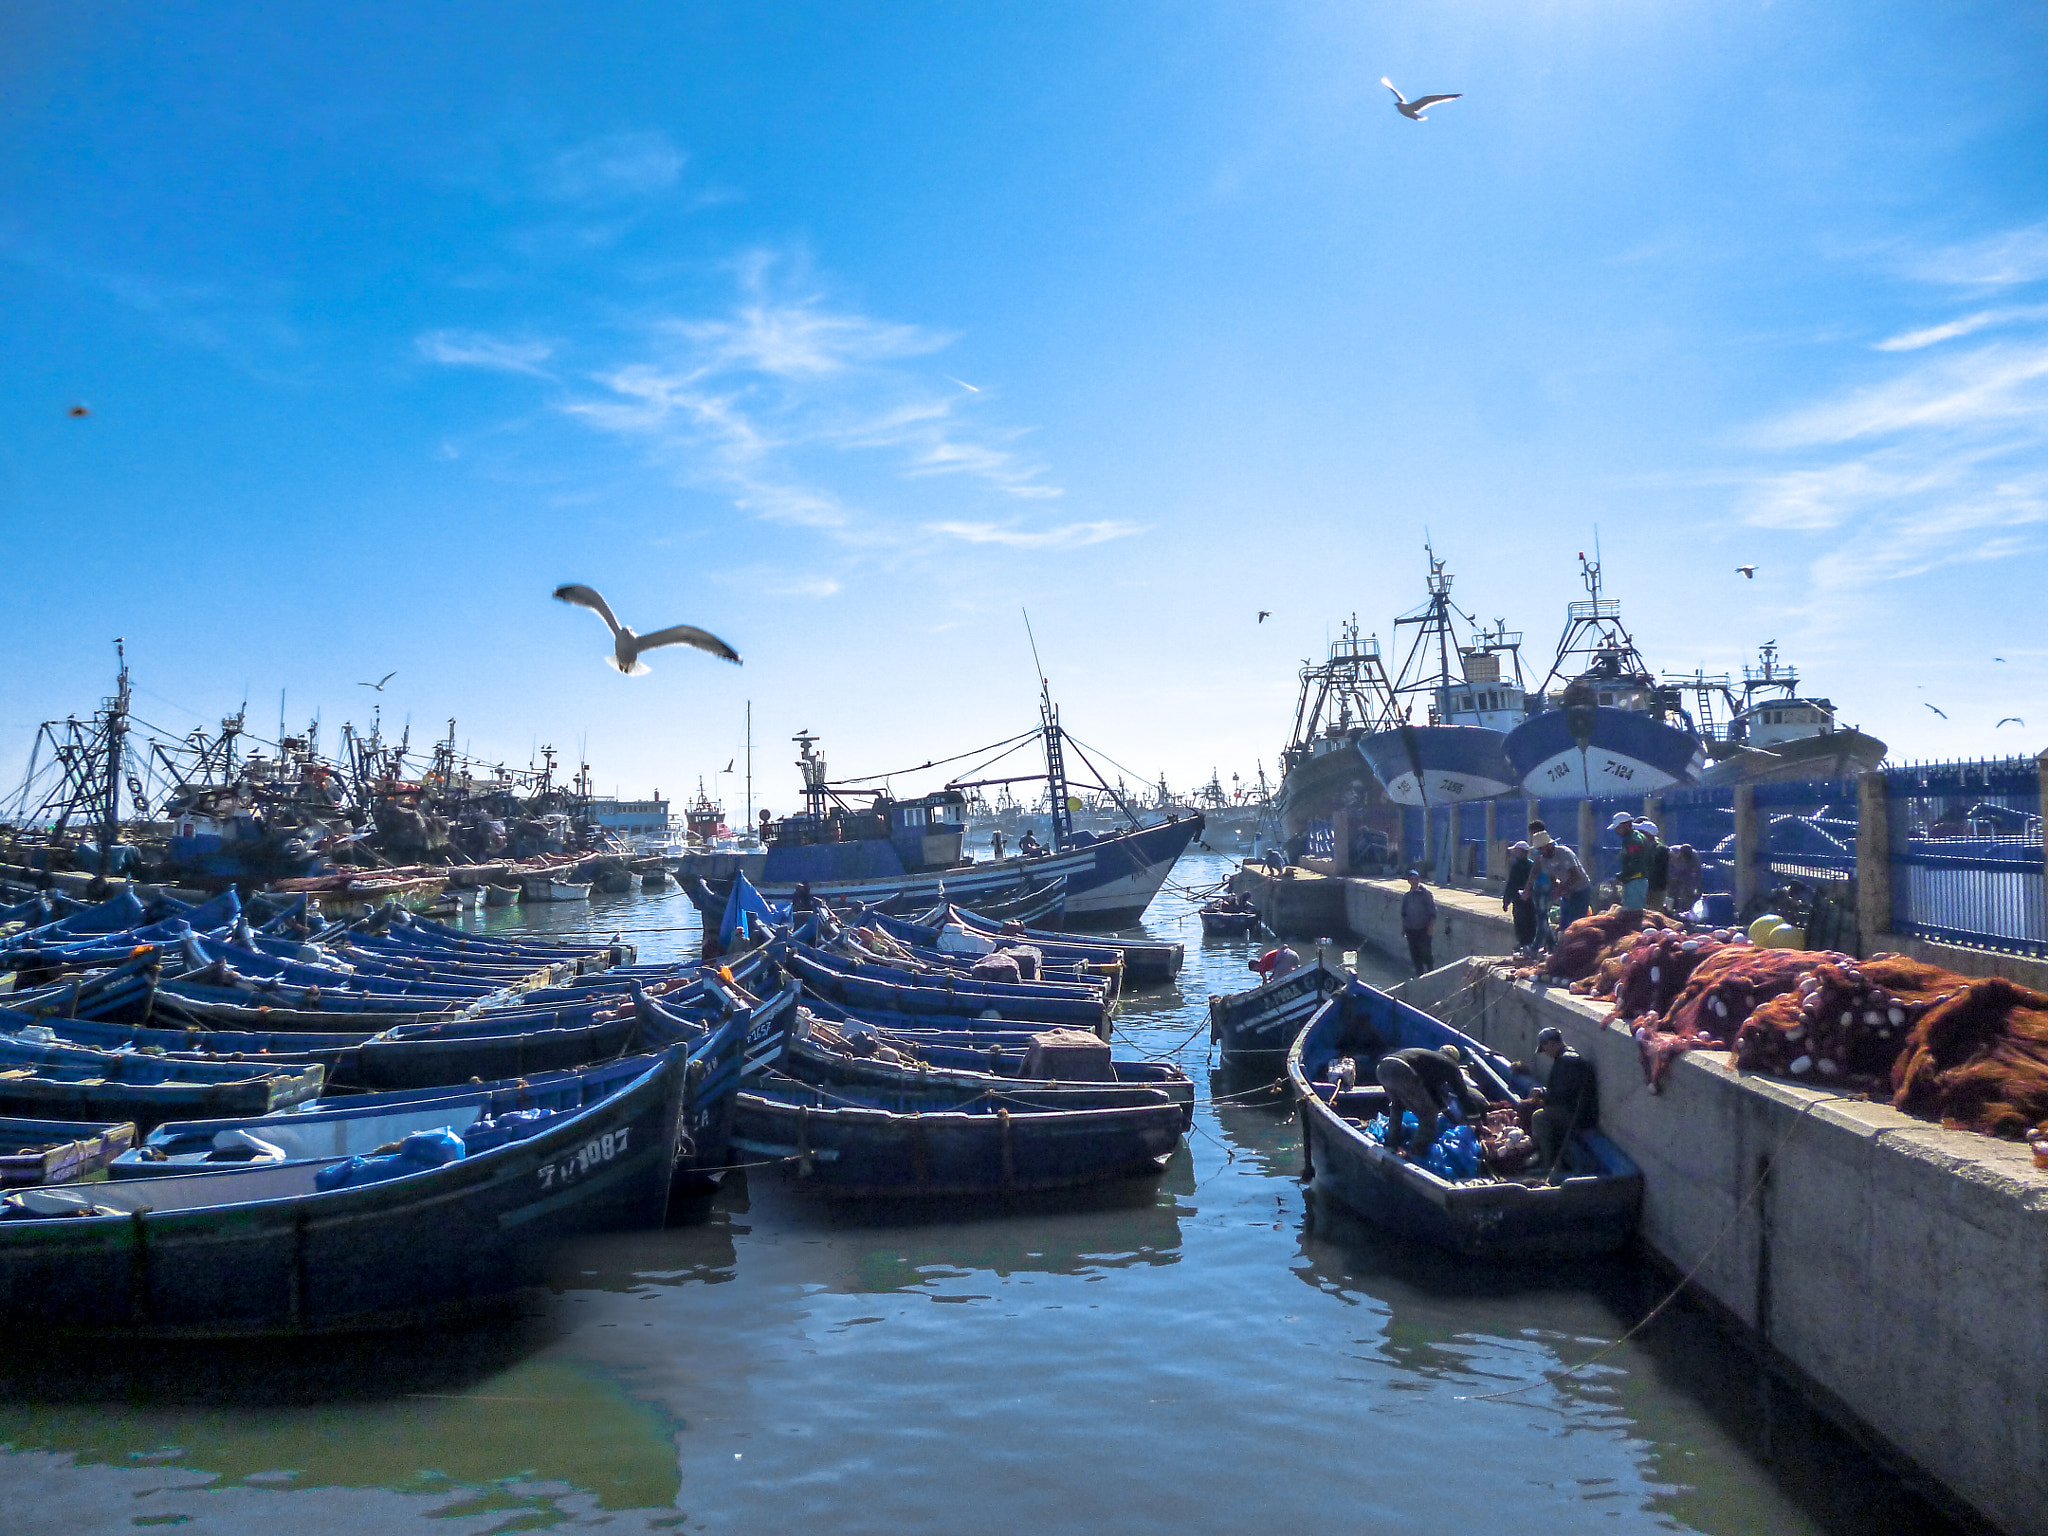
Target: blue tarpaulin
[[746, 904]]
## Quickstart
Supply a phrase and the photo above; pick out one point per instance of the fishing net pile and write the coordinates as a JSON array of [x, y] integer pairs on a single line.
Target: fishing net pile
[[1587, 944], [1971, 1053]]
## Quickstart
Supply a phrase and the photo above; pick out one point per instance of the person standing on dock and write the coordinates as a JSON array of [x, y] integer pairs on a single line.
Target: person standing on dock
[[1571, 1097], [1660, 867], [1518, 895], [1569, 882], [1418, 923], [1638, 846]]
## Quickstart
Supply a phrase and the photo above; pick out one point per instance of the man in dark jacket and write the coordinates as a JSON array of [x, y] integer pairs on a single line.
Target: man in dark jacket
[[1571, 1097], [1418, 923], [1518, 895], [1424, 1082]]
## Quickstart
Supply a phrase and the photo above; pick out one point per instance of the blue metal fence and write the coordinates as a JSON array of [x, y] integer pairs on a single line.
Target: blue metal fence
[[1966, 854], [1966, 846]]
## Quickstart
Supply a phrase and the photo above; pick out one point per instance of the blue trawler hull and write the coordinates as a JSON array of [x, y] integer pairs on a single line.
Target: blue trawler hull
[[1439, 764], [1598, 750], [1110, 881]]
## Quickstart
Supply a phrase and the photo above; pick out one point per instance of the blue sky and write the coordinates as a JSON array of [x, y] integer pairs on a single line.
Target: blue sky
[[848, 332]]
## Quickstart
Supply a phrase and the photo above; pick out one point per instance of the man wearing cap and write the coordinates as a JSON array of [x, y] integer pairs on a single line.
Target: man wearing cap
[[1518, 895], [1635, 861], [1418, 923], [1571, 1097], [1423, 1082], [1568, 879]]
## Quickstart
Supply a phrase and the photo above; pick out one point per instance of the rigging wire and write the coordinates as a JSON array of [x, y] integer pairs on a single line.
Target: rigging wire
[[1008, 741]]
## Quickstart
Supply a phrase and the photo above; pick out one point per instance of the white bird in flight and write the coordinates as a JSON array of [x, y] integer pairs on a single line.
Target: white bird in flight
[[379, 684], [1413, 110], [627, 646], [1746, 570]]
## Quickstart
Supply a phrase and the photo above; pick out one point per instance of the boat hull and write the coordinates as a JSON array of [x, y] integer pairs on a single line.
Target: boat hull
[[271, 1258], [1593, 1210], [1255, 1028], [1439, 764], [1109, 883], [1837, 755], [1597, 750], [1317, 787]]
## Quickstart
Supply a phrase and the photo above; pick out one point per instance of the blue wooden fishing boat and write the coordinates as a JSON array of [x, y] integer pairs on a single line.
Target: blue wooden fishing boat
[[816, 1051], [1230, 918], [874, 1142], [1591, 1210], [325, 1129], [264, 1251], [865, 986], [52, 1081], [1143, 962], [58, 1151], [1254, 1029]]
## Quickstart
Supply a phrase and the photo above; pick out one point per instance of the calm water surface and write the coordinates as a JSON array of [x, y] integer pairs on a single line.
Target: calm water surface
[[1208, 1351]]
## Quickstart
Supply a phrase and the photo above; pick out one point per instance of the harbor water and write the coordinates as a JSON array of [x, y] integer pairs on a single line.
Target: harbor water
[[1208, 1351]]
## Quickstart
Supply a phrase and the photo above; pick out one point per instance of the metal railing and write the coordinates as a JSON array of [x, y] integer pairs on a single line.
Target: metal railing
[[1966, 854]]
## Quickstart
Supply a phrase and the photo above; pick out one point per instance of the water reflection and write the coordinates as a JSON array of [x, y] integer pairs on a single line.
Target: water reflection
[[1729, 1451], [446, 1416]]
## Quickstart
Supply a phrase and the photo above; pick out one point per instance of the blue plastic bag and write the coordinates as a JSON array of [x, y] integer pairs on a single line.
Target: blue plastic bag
[[419, 1152]]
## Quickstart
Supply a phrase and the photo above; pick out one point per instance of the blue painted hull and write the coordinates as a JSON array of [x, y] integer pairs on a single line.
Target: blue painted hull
[[1592, 1211], [1110, 882], [875, 1143], [1255, 1028], [1439, 764], [1600, 751], [260, 1253]]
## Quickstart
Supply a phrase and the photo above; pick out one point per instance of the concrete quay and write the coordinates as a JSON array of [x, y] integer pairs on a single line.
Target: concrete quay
[[1896, 1270], [1296, 904]]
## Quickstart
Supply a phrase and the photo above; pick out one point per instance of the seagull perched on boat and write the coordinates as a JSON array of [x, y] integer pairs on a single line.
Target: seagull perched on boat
[[627, 646], [2009, 720], [379, 684], [1413, 110], [1941, 712], [1746, 570]]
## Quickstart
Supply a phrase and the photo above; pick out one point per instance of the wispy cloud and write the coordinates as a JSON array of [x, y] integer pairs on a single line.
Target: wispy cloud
[[473, 349], [612, 167], [781, 398], [1939, 460], [1067, 536], [1968, 325], [1996, 261]]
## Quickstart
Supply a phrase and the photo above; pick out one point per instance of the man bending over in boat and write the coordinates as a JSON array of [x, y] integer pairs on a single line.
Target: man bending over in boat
[[1424, 1081]]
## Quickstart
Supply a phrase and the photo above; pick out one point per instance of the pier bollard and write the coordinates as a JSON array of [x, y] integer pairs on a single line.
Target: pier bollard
[[1874, 859], [1745, 847]]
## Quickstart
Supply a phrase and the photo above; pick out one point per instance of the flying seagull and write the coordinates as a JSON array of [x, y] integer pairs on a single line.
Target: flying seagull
[[1998, 658], [2009, 720], [1265, 614], [1941, 712], [79, 410], [379, 684], [1413, 110], [972, 389], [627, 646], [728, 765], [1746, 570]]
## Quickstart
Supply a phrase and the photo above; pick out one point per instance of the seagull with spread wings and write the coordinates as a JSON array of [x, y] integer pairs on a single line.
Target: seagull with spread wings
[[379, 684], [1939, 711], [1413, 110], [2008, 720], [627, 646], [1746, 570]]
